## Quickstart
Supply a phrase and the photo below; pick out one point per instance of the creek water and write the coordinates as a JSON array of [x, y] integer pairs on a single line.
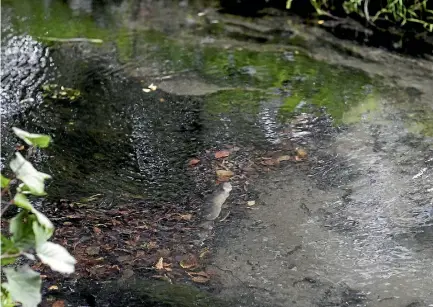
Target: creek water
[[351, 226]]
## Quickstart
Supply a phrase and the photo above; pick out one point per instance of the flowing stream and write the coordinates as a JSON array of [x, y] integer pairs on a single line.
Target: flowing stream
[[350, 226]]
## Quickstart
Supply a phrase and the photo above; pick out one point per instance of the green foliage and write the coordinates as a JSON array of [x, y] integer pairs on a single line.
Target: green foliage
[[29, 231], [400, 12], [58, 92], [38, 140], [23, 278]]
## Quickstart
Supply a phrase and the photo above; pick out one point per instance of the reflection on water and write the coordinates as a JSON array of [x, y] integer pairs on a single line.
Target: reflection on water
[[373, 238]]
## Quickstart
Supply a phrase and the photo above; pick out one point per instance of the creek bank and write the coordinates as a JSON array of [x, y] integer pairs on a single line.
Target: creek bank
[[408, 38]]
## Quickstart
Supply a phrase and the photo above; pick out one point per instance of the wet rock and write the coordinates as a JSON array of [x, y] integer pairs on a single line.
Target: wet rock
[[215, 201]]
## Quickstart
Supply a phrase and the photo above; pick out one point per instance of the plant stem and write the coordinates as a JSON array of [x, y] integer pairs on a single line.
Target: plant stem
[[4, 256]]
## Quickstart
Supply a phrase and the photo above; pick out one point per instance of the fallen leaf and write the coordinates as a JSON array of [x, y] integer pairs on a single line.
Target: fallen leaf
[[53, 287], [204, 253], [284, 158], [59, 304], [320, 22], [193, 162], [186, 217], [200, 279], [301, 153], [152, 87], [189, 263], [251, 203], [97, 230], [201, 273], [269, 161], [160, 264], [222, 154], [92, 250], [224, 175]]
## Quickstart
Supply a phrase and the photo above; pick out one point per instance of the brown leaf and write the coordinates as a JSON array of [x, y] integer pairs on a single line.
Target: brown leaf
[[186, 217], [222, 154], [160, 264], [204, 253], [269, 161], [200, 279], [201, 273], [59, 304], [193, 162], [92, 250], [284, 158], [97, 230], [224, 175], [301, 153], [189, 263]]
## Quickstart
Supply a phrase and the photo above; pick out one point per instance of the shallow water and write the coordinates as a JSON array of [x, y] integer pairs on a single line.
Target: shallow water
[[352, 226]]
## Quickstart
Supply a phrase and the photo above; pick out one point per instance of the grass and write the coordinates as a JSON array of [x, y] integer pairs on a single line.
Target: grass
[[397, 12]]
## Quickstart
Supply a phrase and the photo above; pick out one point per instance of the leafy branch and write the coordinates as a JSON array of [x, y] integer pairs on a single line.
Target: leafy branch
[[29, 230]]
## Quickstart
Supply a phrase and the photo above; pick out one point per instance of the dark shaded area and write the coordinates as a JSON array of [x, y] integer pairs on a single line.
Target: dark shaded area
[[411, 38], [134, 292]]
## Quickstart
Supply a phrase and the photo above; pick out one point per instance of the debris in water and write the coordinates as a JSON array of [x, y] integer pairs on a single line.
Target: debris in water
[[224, 175], [193, 162], [284, 158], [152, 87], [251, 203], [301, 153], [199, 277], [59, 303], [160, 264], [420, 173], [222, 154], [189, 263]]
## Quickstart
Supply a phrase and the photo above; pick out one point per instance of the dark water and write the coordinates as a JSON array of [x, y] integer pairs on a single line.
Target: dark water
[[120, 141]]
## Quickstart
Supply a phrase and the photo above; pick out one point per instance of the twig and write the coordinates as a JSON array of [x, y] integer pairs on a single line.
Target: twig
[[73, 40], [5, 206], [225, 217]]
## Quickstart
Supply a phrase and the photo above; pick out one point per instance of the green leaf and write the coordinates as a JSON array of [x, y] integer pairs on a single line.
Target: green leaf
[[24, 285], [4, 181], [21, 201], [5, 298], [8, 248], [38, 140], [32, 178], [21, 227], [42, 234], [56, 256], [6, 261]]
